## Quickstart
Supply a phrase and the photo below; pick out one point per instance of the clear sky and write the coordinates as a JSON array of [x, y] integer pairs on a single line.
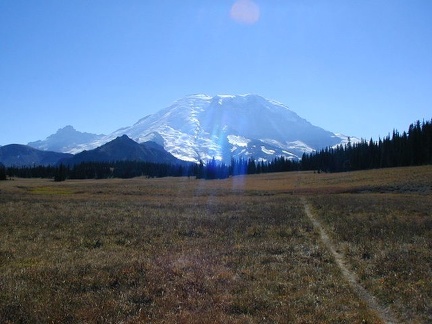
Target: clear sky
[[358, 67]]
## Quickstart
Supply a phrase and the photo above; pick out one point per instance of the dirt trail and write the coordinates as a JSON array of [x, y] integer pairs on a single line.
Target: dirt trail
[[370, 300]]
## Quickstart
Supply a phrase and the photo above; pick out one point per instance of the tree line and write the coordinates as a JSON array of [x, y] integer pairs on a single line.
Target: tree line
[[407, 149], [217, 170], [2, 172], [128, 169], [101, 170]]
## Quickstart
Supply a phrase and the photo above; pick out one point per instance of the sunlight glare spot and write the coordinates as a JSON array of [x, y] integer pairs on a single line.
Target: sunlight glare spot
[[245, 12]]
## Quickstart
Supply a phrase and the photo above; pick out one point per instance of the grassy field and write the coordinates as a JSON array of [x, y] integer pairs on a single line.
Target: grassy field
[[239, 250]]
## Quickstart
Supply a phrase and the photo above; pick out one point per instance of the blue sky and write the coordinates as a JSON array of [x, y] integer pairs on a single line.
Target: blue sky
[[359, 67]]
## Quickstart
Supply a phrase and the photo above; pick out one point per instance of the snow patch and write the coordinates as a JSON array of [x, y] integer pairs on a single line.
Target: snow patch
[[201, 96], [299, 145], [238, 140], [224, 96], [266, 151], [344, 139]]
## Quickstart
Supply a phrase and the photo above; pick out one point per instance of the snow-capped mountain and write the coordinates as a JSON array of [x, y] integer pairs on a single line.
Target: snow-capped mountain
[[65, 140], [200, 127]]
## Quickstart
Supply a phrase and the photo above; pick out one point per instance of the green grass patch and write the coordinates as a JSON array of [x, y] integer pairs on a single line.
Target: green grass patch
[[51, 191]]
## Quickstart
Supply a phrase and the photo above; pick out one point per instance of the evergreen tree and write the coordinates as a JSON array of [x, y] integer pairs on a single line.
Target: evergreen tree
[[2, 172], [412, 148], [60, 173]]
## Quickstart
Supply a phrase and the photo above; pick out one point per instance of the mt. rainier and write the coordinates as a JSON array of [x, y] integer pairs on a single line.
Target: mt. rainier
[[200, 127]]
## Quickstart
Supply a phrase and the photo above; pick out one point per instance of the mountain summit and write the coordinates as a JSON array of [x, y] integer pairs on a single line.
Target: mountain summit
[[66, 139], [201, 127]]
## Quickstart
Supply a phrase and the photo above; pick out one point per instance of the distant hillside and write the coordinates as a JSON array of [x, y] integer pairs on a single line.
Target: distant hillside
[[22, 155], [124, 149]]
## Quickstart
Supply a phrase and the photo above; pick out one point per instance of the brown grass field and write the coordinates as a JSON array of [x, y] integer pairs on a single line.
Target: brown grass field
[[239, 250]]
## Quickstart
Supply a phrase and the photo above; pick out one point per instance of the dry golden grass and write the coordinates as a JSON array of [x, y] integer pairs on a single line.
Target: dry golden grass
[[387, 240], [239, 250]]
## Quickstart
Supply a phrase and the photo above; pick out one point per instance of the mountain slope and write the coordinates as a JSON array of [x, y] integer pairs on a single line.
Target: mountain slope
[[23, 155], [124, 149]]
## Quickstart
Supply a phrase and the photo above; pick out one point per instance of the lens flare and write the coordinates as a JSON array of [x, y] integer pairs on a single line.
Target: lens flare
[[245, 12]]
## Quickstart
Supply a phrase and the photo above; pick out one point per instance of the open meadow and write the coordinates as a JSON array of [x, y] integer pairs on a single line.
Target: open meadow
[[248, 249]]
